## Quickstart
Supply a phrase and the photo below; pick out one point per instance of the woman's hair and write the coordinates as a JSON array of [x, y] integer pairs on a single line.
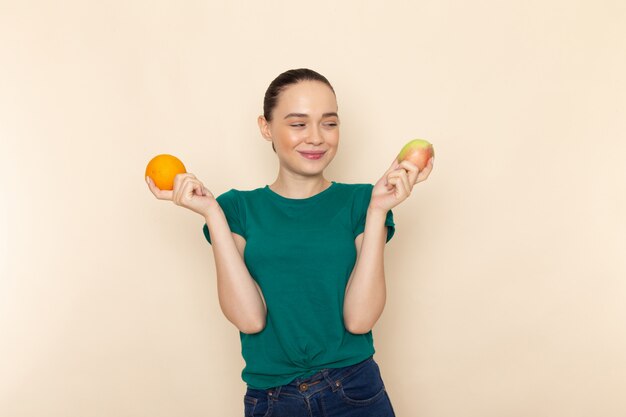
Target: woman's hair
[[284, 80]]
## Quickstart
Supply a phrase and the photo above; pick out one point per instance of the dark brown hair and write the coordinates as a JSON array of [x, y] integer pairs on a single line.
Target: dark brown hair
[[284, 80]]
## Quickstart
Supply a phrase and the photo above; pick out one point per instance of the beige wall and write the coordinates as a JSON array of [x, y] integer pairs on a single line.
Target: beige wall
[[506, 277]]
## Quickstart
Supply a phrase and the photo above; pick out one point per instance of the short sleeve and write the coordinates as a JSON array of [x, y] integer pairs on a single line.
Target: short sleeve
[[229, 202], [361, 201]]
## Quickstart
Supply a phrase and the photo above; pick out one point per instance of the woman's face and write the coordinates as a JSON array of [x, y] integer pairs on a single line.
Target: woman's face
[[304, 127]]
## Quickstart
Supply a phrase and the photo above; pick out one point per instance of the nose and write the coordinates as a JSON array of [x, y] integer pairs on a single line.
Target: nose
[[315, 136]]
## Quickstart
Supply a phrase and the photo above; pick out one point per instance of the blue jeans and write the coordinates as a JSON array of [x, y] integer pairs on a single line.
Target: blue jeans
[[352, 391]]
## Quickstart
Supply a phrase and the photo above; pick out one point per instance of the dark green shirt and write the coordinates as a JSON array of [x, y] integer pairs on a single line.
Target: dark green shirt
[[301, 252]]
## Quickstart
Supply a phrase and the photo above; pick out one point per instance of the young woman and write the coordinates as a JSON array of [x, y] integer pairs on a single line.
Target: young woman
[[300, 262]]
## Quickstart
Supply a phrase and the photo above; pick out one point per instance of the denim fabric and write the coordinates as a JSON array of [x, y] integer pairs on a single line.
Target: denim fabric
[[352, 391]]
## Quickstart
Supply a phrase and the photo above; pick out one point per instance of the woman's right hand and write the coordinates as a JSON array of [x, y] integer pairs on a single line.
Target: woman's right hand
[[187, 192]]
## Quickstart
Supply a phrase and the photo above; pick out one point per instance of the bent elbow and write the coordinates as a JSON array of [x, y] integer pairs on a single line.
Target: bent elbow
[[253, 328], [355, 328]]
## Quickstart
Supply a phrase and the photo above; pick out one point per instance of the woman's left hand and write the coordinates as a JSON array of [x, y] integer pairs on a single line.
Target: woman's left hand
[[397, 183]]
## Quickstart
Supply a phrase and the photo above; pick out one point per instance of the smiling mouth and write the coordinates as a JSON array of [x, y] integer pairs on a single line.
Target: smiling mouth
[[312, 155]]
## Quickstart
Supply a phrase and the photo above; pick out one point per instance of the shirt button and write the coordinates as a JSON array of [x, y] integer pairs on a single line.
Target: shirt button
[[303, 387]]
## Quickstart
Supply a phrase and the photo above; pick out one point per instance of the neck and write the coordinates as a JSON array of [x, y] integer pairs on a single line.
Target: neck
[[300, 188]]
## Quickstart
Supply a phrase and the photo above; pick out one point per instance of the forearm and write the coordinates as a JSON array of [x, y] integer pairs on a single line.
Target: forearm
[[238, 294], [365, 292]]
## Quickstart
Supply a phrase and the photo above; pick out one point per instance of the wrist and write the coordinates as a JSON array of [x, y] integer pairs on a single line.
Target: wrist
[[376, 212], [212, 209]]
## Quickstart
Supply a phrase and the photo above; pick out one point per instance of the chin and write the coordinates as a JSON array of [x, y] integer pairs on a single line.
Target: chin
[[312, 173]]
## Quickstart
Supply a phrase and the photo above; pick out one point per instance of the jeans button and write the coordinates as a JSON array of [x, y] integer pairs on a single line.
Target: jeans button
[[303, 387]]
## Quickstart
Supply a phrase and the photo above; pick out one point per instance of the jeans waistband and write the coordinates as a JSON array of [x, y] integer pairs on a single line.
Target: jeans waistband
[[320, 380]]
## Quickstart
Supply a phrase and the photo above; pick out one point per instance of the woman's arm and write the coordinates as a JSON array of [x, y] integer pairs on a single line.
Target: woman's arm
[[366, 291], [240, 297]]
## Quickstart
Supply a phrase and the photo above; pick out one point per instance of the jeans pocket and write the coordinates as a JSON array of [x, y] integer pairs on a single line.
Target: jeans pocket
[[249, 403], [257, 406], [362, 387]]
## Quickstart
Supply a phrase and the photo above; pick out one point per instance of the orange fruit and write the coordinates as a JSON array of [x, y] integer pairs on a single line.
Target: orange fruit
[[162, 169]]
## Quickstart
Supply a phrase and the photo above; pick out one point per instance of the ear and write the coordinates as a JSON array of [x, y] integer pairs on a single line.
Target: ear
[[264, 127]]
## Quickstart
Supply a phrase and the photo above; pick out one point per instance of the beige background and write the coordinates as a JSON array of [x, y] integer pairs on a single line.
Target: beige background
[[506, 277]]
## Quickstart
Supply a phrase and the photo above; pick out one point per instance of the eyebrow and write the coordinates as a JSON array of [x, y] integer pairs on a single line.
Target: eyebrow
[[331, 114]]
